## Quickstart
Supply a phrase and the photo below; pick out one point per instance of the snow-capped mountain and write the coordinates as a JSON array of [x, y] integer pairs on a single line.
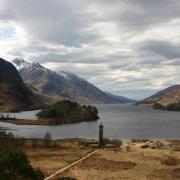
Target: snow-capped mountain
[[20, 63], [61, 84]]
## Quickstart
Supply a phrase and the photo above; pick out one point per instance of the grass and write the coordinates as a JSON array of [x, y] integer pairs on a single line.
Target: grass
[[52, 159], [160, 163], [170, 161]]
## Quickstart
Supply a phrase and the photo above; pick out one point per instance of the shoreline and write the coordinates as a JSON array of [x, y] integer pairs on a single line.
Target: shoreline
[[39, 122], [45, 122], [138, 139]]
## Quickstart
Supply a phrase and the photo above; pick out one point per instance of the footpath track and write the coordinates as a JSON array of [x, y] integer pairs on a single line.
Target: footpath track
[[52, 176]]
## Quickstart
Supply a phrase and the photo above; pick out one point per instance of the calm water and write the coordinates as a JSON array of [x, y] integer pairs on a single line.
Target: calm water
[[120, 121], [22, 115]]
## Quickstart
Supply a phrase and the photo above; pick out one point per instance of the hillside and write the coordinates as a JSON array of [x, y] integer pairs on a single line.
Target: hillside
[[61, 84], [170, 95], [14, 95]]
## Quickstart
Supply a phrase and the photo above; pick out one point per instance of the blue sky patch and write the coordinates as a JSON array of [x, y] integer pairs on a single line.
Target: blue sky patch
[[7, 32]]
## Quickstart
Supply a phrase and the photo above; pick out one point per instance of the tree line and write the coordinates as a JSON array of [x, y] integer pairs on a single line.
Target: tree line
[[169, 107]]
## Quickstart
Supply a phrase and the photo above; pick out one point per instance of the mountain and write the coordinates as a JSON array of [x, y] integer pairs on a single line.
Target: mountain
[[121, 99], [170, 95], [14, 95], [62, 84]]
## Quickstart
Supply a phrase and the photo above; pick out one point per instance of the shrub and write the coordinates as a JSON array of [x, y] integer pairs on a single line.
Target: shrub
[[15, 165], [139, 140], [8, 140], [158, 145], [176, 148], [116, 142], [145, 146]]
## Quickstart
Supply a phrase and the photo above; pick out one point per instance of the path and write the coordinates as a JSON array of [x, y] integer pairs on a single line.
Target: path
[[67, 167]]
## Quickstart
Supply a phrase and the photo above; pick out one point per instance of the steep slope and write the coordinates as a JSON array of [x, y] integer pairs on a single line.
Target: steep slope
[[61, 84], [14, 95], [165, 97]]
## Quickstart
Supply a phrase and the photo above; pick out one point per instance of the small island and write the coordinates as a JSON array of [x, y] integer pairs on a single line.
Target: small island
[[62, 112]]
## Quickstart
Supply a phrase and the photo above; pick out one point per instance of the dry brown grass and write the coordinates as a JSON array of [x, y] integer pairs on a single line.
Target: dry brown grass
[[138, 164], [170, 161], [50, 160], [103, 164]]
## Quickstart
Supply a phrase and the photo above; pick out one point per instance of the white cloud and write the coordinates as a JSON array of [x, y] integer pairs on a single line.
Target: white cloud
[[120, 46]]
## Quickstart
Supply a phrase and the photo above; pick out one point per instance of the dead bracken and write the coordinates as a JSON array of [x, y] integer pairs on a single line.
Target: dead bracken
[[106, 165], [176, 173], [170, 161]]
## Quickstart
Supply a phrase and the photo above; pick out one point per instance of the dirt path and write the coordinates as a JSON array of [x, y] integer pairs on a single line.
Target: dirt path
[[69, 166]]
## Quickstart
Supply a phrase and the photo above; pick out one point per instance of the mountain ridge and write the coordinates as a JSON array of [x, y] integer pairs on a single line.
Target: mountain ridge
[[61, 84]]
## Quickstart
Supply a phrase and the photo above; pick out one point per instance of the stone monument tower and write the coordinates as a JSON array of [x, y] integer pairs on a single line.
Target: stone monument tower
[[101, 141]]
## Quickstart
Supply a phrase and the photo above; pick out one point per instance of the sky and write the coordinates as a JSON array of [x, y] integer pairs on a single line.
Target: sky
[[126, 47]]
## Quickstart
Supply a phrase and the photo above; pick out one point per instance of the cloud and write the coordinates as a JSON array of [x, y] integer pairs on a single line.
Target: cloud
[[162, 48], [116, 45], [52, 21]]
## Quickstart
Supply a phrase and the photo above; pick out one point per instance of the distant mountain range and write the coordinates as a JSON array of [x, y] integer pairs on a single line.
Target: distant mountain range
[[121, 99], [170, 95], [63, 85], [34, 86], [14, 95]]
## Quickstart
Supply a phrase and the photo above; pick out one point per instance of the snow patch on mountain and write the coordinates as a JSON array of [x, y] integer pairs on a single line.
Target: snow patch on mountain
[[69, 76], [20, 63]]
